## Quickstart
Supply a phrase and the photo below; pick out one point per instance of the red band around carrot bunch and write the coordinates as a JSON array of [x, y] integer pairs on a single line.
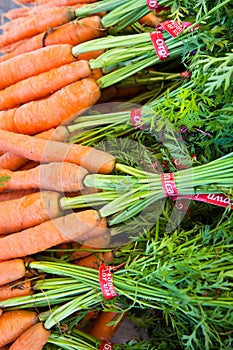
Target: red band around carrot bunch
[[169, 185], [106, 281], [153, 5], [105, 345], [159, 45], [136, 118]]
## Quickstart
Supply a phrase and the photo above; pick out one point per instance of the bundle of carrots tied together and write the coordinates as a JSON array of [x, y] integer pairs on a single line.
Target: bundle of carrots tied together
[[55, 65]]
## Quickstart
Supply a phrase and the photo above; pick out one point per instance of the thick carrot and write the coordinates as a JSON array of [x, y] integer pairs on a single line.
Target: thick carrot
[[28, 211], [40, 150], [34, 24], [12, 161], [14, 290], [56, 176], [43, 84], [72, 33], [6, 196], [59, 108], [106, 324], [11, 270], [34, 338], [72, 227], [14, 323], [35, 62]]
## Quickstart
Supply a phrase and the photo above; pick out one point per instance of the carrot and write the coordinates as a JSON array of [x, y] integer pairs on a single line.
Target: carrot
[[103, 328], [72, 33], [5, 347], [56, 176], [34, 24], [87, 247], [40, 150], [96, 73], [35, 62], [58, 108], [11, 270], [150, 20], [43, 84], [28, 211], [14, 290], [34, 338], [90, 55], [17, 12], [6, 196], [63, 2], [14, 323], [24, 2], [93, 261], [28, 165], [71, 227], [12, 161]]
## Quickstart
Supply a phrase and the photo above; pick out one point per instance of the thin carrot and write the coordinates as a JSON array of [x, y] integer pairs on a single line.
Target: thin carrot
[[106, 324], [34, 24], [72, 33], [12, 161], [14, 323], [72, 227], [40, 150], [43, 84], [63, 2], [35, 62], [6, 196], [150, 19], [87, 247], [93, 261], [11, 270], [34, 338], [55, 176], [27, 211], [60, 107], [16, 289]]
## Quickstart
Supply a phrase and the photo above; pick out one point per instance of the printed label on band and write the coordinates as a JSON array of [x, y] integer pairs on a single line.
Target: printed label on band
[[106, 281], [159, 45], [174, 28], [136, 118], [216, 199], [168, 184], [106, 346]]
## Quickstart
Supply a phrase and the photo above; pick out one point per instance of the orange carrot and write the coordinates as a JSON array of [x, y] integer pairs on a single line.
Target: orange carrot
[[24, 2], [34, 338], [40, 150], [27, 211], [72, 33], [11, 270], [16, 289], [7, 347], [43, 84], [34, 24], [56, 176], [93, 261], [60, 107], [35, 62], [64, 2], [14, 323], [12, 161], [87, 247], [8, 195], [72, 227], [150, 20], [104, 328], [90, 55]]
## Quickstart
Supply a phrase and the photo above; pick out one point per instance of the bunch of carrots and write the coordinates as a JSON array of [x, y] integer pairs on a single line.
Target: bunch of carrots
[[58, 59]]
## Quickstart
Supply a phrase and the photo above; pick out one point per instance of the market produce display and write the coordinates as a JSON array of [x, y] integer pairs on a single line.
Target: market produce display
[[116, 163]]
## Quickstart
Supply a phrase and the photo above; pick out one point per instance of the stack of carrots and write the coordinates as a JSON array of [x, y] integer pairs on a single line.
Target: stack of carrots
[[44, 88]]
